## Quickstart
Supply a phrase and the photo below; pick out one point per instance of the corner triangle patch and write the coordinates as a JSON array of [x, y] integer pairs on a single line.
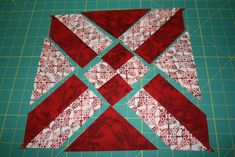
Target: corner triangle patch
[[111, 132], [53, 67], [116, 22], [178, 63]]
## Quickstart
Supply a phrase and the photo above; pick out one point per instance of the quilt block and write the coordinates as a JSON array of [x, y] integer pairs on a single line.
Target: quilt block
[[137, 41]]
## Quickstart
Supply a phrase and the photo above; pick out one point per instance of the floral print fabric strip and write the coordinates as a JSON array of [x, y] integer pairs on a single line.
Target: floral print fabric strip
[[86, 31]]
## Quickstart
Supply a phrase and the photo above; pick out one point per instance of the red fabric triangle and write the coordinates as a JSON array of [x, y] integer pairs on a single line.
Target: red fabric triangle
[[115, 22], [110, 132]]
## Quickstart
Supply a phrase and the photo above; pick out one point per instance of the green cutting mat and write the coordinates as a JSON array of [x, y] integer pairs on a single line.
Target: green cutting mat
[[211, 24]]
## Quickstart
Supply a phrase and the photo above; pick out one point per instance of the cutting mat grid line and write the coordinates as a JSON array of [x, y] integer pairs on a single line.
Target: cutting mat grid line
[[211, 24]]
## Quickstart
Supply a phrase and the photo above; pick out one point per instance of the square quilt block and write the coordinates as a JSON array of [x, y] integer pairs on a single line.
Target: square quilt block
[[144, 39]]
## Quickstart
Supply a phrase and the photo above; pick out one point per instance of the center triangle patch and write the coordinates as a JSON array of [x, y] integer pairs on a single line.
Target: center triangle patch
[[111, 132], [116, 22]]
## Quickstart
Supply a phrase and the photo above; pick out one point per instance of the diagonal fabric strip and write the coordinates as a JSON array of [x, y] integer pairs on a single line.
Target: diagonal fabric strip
[[192, 118], [163, 123], [115, 22], [86, 31], [68, 122], [52, 106], [146, 27], [162, 38], [79, 51], [178, 63], [110, 132], [52, 68], [70, 43]]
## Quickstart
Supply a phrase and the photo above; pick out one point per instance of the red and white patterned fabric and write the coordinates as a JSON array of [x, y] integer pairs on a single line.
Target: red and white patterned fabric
[[68, 122], [146, 27], [52, 68], [166, 126], [100, 74], [133, 70], [86, 31], [178, 63]]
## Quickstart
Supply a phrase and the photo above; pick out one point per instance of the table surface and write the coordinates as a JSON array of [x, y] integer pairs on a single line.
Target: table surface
[[211, 24]]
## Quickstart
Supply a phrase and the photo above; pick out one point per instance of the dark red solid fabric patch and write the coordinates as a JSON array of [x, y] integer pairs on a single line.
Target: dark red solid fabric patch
[[116, 22], [110, 132], [180, 107], [52, 106], [80, 52], [117, 56], [115, 89], [162, 38]]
